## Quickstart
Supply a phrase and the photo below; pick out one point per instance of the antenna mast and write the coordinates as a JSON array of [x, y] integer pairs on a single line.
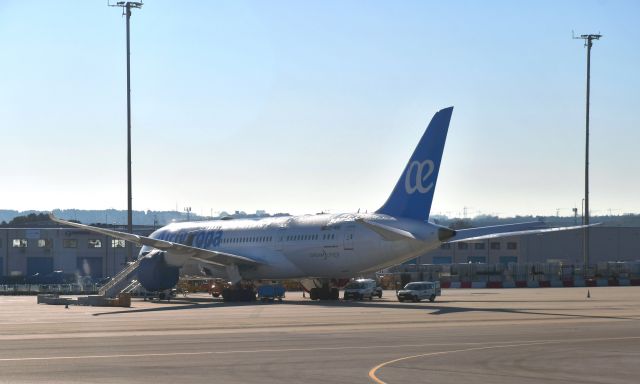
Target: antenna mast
[[126, 11], [588, 42]]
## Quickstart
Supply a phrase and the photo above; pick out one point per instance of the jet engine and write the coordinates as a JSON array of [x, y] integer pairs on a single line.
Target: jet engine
[[155, 274]]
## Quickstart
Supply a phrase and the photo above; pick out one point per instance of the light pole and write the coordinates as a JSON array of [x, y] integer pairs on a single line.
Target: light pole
[[588, 42], [126, 11]]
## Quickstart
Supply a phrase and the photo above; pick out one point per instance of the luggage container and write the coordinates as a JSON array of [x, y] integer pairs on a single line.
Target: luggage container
[[271, 292]]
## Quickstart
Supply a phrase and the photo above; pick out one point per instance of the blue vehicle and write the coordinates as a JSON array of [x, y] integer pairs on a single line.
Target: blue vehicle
[[271, 292]]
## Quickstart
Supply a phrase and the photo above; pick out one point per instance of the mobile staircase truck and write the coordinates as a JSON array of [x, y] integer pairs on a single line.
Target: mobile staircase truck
[[122, 282]]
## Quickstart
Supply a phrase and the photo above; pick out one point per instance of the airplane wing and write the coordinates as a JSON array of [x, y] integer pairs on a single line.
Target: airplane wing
[[199, 254], [497, 231], [391, 233], [447, 235]]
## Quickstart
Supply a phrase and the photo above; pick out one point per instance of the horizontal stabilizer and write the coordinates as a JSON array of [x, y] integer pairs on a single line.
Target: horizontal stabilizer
[[387, 232]]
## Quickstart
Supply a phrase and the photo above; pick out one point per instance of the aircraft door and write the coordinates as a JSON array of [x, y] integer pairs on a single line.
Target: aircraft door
[[348, 238], [279, 239]]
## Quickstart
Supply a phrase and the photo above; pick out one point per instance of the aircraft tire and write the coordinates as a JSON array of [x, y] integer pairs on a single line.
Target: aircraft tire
[[234, 295]]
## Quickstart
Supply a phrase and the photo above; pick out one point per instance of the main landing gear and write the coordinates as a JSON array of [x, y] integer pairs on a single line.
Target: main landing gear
[[239, 292], [324, 293], [322, 288]]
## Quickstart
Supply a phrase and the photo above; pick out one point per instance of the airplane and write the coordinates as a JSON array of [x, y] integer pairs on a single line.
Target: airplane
[[321, 251]]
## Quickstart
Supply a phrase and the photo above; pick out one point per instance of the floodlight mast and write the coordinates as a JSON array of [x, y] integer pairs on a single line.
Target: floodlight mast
[[588, 42], [126, 11]]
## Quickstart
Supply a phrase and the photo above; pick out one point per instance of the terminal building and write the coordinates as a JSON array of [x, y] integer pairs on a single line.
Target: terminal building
[[607, 244], [41, 251]]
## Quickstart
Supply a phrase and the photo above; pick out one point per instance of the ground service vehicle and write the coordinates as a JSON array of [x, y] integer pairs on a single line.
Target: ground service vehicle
[[271, 292], [420, 290], [362, 288]]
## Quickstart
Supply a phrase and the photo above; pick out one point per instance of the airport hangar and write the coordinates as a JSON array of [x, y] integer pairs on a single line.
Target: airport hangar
[[30, 251]]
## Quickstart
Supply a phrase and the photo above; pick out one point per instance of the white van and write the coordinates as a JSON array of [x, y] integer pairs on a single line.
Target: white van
[[362, 288], [420, 290]]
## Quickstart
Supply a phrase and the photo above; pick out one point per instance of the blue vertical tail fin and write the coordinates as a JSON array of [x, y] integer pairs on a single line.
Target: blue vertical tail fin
[[413, 194]]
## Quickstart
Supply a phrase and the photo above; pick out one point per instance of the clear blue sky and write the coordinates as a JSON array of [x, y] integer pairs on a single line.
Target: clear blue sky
[[303, 106]]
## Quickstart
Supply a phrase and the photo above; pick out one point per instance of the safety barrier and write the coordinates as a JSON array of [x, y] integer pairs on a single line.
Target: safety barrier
[[539, 284], [518, 275], [35, 289]]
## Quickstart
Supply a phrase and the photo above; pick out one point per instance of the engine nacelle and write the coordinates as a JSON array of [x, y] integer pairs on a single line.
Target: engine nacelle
[[154, 274]]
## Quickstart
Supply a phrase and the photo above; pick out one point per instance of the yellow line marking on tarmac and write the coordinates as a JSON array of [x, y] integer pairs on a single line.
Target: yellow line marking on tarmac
[[374, 377]]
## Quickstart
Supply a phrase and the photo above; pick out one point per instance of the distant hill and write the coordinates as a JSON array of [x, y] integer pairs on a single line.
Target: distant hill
[[119, 217], [160, 218]]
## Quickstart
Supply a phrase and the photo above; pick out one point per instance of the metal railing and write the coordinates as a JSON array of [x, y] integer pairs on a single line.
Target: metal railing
[[123, 277], [34, 289]]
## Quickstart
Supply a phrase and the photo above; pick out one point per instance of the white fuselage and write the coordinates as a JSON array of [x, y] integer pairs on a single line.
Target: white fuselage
[[296, 247]]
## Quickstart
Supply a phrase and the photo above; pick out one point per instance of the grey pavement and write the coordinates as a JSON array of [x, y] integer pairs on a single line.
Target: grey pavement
[[480, 336]]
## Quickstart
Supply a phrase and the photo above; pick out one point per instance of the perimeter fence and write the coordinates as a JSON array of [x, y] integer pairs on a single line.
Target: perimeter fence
[[35, 289], [514, 275]]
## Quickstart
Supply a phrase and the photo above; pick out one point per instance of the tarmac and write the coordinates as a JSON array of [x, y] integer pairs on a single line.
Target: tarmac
[[467, 336]]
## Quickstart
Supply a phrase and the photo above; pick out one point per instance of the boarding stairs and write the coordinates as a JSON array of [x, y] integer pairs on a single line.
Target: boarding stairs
[[132, 287], [122, 282]]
